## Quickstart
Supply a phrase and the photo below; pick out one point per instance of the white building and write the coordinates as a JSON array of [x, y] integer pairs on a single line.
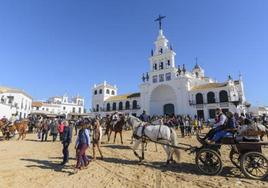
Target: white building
[[167, 89], [60, 105], [258, 110], [14, 101]]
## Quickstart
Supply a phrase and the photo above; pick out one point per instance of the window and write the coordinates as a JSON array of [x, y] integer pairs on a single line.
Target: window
[[161, 78], [64, 108], [95, 92], [168, 63], [155, 66], [100, 91], [127, 105], [120, 106], [155, 79], [161, 65], [199, 98], [168, 76], [135, 104], [10, 99], [97, 108], [79, 110], [224, 96], [114, 106], [107, 91], [108, 107], [113, 93], [161, 51], [73, 109], [211, 97]]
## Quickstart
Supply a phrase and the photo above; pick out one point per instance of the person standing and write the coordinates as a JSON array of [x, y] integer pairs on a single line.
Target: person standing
[[81, 145], [96, 139], [60, 129], [54, 130], [181, 123], [66, 140], [44, 130]]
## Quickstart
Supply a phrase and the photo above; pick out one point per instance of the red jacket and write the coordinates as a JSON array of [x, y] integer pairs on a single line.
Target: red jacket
[[61, 128]]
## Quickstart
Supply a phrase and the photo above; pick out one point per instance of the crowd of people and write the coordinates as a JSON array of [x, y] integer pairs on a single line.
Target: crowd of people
[[188, 126], [89, 131]]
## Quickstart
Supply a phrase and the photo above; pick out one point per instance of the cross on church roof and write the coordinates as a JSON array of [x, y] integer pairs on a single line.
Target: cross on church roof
[[159, 19]]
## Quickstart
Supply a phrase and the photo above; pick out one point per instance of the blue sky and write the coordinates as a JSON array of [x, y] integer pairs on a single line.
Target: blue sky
[[52, 47]]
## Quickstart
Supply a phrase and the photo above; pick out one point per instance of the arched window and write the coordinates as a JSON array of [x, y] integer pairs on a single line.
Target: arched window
[[97, 108], [108, 107], [113, 92], [211, 97], [107, 91], [134, 104], [120, 106], [127, 105], [100, 91], [95, 92], [114, 106], [224, 96], [199, 98]]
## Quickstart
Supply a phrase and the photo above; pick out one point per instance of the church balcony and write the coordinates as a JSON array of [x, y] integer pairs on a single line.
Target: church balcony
[[221, 104]]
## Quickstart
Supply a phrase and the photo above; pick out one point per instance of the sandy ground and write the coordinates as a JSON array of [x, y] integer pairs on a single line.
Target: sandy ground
[[31, 163]]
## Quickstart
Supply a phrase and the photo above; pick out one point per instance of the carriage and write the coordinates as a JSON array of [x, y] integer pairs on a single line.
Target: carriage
[[246, 156]]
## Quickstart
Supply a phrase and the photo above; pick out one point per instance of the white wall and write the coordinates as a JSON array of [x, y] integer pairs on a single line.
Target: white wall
[[21, 103]]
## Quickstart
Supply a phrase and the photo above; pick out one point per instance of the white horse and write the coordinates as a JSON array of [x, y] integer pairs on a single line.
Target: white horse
[[156, 133]]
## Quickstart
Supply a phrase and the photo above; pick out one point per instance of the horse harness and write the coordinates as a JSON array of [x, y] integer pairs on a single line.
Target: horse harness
[[143, 136]]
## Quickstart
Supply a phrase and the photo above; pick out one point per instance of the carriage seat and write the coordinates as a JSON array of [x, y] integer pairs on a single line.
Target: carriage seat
[[229, 137]]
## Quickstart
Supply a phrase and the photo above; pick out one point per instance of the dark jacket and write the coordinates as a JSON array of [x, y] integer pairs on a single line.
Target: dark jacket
[[67, 134], [53, 128]]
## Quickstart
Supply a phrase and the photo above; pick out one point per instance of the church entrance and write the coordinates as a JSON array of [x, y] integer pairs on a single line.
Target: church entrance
[[163, 100], [169, 109]]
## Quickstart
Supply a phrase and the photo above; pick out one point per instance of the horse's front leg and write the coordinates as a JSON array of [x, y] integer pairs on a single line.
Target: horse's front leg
[[135, 147], [121, 137], [131, 140], [115, 133], [109, 136]]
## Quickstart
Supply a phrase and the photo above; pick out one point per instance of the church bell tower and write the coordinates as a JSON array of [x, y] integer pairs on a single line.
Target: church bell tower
[[162, 57]]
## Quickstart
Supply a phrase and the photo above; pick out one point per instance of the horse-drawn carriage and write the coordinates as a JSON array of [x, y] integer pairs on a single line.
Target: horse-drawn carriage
[[247, 156]]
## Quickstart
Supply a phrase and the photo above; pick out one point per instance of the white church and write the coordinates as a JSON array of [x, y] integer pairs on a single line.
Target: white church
[[167, 89]]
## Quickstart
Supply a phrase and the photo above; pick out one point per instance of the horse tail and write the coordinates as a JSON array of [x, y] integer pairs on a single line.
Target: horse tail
[[175, 143]]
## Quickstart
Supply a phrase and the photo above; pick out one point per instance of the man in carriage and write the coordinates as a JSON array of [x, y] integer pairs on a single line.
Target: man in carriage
[[220, 124]]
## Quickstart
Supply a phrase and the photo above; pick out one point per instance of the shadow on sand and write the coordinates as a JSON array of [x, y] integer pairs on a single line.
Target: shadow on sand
[[117, 146], [186, 168], [49, 165]]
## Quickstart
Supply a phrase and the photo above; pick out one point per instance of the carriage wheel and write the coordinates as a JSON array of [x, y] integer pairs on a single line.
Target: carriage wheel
[[209, 162], [235, 158], [254, 165]]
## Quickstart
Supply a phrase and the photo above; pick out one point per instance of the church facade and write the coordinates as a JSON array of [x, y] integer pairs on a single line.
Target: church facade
[[169, 89]]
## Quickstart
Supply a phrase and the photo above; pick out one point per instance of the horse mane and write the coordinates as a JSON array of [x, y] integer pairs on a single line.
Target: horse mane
[[135, 118]]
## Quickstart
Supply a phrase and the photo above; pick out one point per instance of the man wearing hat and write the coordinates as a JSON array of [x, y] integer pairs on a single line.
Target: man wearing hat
[[219, 124]]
